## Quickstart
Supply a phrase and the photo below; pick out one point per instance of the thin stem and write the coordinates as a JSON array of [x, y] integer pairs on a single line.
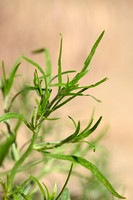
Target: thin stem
[[21, 160]]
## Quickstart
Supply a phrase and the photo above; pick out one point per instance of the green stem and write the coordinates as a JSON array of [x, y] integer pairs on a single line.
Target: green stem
[[21, 160]]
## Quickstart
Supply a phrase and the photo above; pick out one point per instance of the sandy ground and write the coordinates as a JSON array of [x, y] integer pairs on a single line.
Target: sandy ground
[[28, 25]]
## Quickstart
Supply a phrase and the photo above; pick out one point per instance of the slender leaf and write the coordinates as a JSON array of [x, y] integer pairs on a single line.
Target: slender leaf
[[73, 121], [87, 164], [85, 134], [58, 85], [66, 182], [11, 77], [48, 66], [40, 186], [7, 116], [94, 85], [62, 73], [69, 138], [79, 76], [89, 58], [20, 92], [48, 193], [48, 62], [54, 192], [53, 145], [41, 50], [90, 122], [40, 69]]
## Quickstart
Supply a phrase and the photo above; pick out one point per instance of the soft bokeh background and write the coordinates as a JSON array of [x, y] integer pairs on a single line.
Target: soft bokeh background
[[28, 25]]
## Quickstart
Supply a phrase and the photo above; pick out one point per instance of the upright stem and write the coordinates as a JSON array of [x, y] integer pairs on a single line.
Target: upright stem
[[21, 160]]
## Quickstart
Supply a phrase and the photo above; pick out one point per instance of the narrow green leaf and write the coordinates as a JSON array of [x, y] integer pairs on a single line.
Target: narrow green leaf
[[93, 85], [20, 92], [48, 66], [48, 62], [59, 64], [79, 76], [11, 77], [85, 163], [4, 148], [58, 85], [66, 182], [69, 138], [56, 106], [76, 94], [56, 118], [73, 121], [36, 65], [40, 69], [40, 186], [89, 58], [85, 134], [58, 143], [90, 122], [41, 50], [54, 192], [62, 73], [7, 116], [65, 195], [48, 193]]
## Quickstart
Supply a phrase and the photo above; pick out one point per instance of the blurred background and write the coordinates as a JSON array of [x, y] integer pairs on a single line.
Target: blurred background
[[29, 25]]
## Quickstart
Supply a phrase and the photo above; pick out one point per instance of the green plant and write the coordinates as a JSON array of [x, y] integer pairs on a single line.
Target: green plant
[[47, 152]]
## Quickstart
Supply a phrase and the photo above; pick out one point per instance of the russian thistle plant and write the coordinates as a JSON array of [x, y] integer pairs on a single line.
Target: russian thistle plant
[[45, 104]]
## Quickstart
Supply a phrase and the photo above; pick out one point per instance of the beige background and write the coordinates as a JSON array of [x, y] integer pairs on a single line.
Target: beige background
[[30, 24]]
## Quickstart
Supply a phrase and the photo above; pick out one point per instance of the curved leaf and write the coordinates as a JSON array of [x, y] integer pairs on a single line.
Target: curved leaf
[[40, 69], [12, 74], [85, 163], [66, 182], [7, 116]]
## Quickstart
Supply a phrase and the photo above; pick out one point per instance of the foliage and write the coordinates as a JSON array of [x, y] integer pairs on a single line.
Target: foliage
[[47, 152]]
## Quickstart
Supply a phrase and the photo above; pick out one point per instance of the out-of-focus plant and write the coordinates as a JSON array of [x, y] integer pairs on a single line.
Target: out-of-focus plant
[[37, 153]]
